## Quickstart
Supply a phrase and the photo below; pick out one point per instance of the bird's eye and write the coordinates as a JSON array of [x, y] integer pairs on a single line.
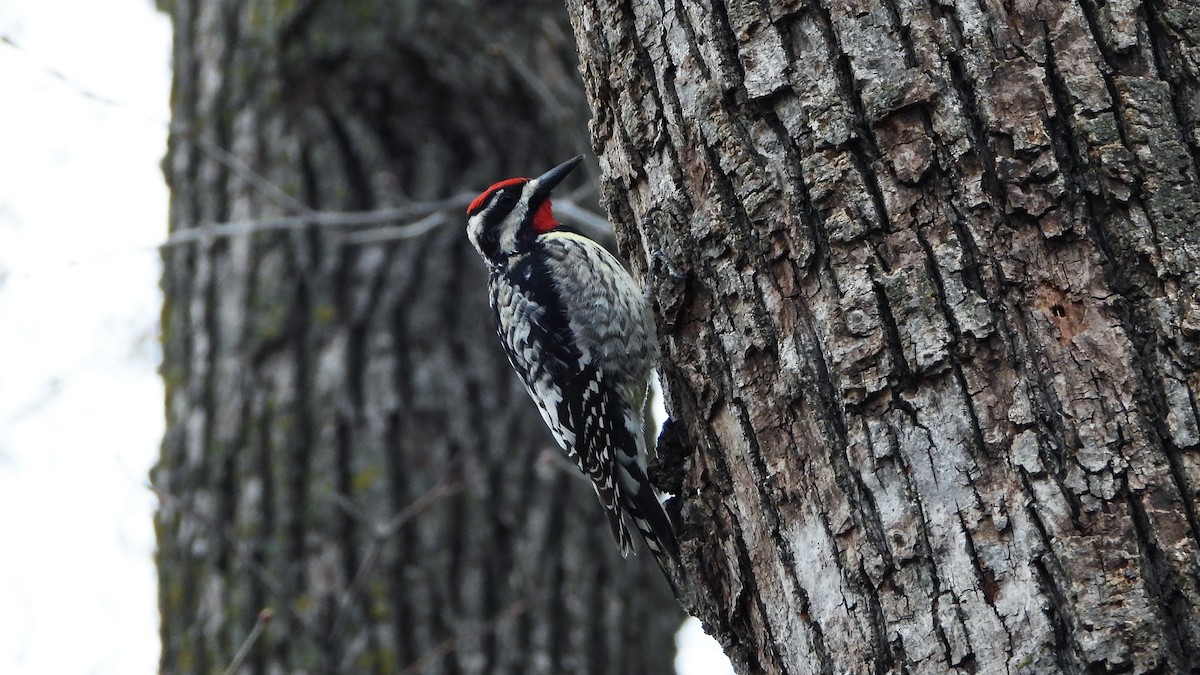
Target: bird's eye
[[505, 200]]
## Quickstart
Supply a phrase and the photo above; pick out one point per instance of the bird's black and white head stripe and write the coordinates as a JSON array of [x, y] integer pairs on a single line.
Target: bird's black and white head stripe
[[504, 219]]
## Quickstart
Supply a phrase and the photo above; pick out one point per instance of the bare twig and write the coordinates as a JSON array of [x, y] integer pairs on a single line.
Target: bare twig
[[380, 235], [534, 81], [301, 215], [180, 131], [264, 618], [591, 222], [441, 491], [319, 219], [232, 162], [273, 585], [431, 216], [446, 488], [71, 82], [449, 644], [379, 533]]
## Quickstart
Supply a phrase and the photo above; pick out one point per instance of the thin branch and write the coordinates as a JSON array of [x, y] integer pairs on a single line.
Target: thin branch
[[532, 80], [73, 84], [180, 131], [380, 533], [385, 234], [441, 491], [273, 585], [233, 162], [444, 489], [431, 215], [449, 644], [303, 215], [264, 618], [317, 219], [591, 222]]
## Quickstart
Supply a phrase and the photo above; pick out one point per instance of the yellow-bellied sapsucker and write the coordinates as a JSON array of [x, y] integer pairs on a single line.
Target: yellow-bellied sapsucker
[[578, 331]]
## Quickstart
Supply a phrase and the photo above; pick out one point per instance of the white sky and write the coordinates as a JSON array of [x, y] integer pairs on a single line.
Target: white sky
[[82, 207]]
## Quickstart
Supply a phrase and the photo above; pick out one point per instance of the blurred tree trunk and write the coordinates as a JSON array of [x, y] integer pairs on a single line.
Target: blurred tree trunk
[[346, 443], [926, 276]]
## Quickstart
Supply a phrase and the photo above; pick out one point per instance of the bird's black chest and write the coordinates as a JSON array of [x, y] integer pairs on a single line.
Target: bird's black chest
[[527, 271], [528, 311]]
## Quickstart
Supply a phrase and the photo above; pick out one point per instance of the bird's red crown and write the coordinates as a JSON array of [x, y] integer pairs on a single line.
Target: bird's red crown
[[478, 201]]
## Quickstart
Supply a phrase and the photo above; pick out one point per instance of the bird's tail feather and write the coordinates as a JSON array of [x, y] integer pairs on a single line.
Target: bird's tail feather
[[639, 500]]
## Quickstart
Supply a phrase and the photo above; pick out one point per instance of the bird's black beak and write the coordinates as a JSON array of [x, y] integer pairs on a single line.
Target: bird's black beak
[[547, 181]]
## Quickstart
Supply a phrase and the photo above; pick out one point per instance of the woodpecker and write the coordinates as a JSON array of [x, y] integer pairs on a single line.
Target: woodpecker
[[579, 332]]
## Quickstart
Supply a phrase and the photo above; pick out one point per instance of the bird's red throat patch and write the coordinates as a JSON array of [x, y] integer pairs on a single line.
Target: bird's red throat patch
[[543, 220]]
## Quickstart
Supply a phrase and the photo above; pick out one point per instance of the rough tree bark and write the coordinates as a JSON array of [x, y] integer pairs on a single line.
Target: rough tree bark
[[926, 279], [346, 443]]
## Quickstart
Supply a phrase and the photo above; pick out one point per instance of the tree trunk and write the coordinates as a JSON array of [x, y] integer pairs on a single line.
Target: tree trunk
[[347, 446], [926, 278]]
